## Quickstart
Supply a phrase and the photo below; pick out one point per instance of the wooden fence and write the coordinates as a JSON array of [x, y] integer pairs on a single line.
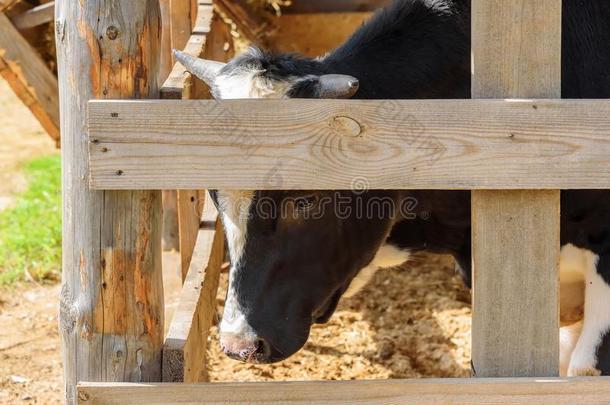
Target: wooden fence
[[514, 154], [23, 68]]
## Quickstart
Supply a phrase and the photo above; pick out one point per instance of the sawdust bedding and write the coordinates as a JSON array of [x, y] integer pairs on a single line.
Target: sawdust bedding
[[409, 322]]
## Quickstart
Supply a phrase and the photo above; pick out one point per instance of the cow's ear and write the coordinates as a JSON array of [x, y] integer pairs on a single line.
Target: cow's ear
[[325, 86], [206, 70]]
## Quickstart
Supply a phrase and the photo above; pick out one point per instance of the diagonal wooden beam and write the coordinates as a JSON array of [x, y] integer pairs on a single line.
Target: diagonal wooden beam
[[29, 77], [184, 351], [34, 17], [330, 144], [6, 4], [249, 23]]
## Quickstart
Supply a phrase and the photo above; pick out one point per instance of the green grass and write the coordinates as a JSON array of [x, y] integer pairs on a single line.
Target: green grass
[[30, 230]]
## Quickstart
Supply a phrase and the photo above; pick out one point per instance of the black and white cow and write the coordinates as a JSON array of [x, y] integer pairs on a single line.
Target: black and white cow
[[291, 265]]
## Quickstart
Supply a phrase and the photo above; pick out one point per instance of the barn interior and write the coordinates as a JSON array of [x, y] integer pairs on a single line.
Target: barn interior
[[410, 321]]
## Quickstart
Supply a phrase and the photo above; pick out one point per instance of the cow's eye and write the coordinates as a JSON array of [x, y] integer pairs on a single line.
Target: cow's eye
[[306, 203]]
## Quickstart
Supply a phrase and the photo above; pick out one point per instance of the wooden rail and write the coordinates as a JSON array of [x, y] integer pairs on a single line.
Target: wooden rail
[[311, 144], [184, 351], [528, 391], [514, 154]]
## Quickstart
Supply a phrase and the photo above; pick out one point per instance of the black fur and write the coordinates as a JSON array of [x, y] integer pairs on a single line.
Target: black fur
[[295, 270], [394, 54]]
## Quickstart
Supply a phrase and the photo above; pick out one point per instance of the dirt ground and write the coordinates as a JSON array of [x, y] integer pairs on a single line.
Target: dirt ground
[[30, 368], [412, 321], [409, 322]]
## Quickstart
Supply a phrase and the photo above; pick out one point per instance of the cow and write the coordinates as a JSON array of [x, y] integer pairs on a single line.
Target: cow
[[294, 254]]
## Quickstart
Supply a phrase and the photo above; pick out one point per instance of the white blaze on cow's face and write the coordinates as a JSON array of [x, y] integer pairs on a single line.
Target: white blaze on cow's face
[[249, 84]]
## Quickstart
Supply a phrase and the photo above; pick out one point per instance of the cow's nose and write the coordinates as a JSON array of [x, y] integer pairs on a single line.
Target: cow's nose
[[249, 349]]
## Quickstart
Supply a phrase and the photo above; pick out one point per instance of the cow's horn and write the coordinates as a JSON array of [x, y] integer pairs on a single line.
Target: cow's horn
[[206, 70], [338, 86]]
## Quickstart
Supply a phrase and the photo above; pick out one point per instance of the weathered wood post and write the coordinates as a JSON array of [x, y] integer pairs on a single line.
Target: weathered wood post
[[515, 332], [178, 22], [111, 311]]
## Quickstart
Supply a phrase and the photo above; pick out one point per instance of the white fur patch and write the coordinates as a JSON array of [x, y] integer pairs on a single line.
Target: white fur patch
[[568, 337], [233, 319], [386, 256], [235, 210], [596, 322], [249, 85]]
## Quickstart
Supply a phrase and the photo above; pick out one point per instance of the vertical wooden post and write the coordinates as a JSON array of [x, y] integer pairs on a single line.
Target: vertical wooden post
[[170, 199], [111, 311], [182, 15], [178, 21], [166, 64], [516, 54]]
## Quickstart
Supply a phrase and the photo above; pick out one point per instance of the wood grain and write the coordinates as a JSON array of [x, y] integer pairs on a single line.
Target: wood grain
[[182, 85], [189, 216], [171, 239], [309, 144], [179, 83], [29, 77], [516, 48], [166, 59], [181, 22], [111, 310], [515, 323], [427, 391], [185, 349]]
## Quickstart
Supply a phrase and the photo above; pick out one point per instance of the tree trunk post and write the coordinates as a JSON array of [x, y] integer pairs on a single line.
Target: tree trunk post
[[111, 310]]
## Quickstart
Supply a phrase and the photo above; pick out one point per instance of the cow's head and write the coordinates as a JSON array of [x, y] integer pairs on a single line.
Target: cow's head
[[256, 74], [293, 253]]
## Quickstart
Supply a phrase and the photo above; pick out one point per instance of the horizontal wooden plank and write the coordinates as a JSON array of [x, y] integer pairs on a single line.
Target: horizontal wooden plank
[[337, 144], [527, 391], [36, 16]]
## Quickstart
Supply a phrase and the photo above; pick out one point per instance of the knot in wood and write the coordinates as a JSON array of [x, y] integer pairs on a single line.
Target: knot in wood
[[346, 126], [112, 32]]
